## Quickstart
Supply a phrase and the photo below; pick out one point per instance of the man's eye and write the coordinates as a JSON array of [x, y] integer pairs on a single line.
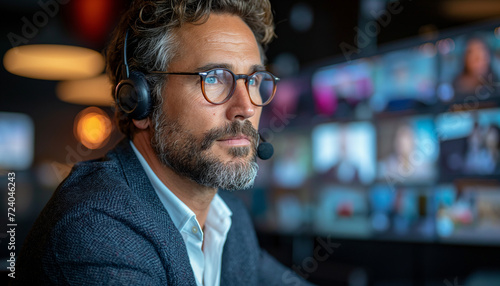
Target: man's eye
[[254, 81], [211, 80]]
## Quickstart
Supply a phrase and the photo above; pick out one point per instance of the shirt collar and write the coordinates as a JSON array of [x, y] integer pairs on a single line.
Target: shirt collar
[[218, 215]]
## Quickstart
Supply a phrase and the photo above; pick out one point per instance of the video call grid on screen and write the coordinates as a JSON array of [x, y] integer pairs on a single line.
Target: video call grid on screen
[[331, 181]]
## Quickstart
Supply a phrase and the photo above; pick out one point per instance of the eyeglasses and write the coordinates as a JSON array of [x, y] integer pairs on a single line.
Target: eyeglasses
[[218, 85]]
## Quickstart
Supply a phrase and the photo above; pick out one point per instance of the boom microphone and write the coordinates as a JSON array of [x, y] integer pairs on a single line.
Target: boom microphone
[[265, 150]]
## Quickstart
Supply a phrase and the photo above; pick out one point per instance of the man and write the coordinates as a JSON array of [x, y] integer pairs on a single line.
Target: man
[[150, 213]]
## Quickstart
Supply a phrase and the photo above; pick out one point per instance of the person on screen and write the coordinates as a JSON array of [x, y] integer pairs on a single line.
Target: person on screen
[[475, 154], [476, 71], [150, 213], [482, 154], [406, 161], [344, 170], [492, 143]]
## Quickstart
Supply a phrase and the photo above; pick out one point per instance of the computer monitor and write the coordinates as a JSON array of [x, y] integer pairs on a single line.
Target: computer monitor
[[401, 213], [470, 143], [344, 152], [469, 68], [407, 150], [17, 141], [342, 211], [468, 213], [404, 75], [350, 82]]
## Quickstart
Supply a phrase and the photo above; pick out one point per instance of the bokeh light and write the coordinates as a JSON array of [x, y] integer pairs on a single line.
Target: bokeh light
[[53, 62], [92, 127]]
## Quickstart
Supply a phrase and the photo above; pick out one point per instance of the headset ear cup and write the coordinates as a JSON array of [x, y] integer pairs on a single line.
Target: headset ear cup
[[132, 96]]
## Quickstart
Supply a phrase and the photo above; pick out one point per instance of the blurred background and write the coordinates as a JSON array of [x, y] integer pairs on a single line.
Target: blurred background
[[386, 129]]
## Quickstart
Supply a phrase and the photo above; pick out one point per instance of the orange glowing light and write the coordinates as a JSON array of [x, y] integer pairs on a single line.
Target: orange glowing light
[[91, 91], [92, 127], [53, 62]]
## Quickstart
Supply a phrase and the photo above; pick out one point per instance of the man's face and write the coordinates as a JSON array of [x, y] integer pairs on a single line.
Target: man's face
[[214, 145]]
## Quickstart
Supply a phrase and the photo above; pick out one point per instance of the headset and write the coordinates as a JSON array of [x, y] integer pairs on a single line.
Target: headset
[[132, 93]]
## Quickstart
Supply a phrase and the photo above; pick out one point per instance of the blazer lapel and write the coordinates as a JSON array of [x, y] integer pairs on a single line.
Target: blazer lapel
[[155, 219]]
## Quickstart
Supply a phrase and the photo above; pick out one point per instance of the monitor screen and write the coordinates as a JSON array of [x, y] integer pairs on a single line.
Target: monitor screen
[[344, 153], [470, 143], [407, 150], [341, 211], [292, 163], [408, 74], [350, 82], [17, 136], [469, 67], [469, 214], [401, 213]]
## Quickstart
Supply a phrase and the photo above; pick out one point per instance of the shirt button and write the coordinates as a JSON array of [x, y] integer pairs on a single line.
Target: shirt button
[[194, 229]]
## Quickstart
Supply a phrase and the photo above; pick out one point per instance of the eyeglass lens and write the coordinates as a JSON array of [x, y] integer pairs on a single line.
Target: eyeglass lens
[[219, 83]]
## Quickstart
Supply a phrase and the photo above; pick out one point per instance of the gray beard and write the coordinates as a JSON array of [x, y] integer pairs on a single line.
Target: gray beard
[[178, 149]]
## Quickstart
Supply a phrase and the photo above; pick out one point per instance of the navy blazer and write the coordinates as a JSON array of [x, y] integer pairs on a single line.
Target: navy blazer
[[105, 225]]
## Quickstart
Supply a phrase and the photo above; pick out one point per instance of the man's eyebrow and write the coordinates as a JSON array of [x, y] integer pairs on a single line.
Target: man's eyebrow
[[257, 68], [213, 66], [210, 66]]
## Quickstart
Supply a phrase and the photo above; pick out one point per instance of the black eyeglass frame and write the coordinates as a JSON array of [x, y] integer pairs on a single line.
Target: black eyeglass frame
[[236, 77]]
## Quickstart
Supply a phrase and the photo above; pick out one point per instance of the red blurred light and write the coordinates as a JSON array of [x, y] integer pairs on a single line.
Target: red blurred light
[[93, 18]]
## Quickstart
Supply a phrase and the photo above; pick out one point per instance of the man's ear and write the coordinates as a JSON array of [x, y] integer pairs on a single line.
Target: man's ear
[[142, 124]]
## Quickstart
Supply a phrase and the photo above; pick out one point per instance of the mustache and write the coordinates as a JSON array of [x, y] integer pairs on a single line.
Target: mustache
[[230, 129]]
